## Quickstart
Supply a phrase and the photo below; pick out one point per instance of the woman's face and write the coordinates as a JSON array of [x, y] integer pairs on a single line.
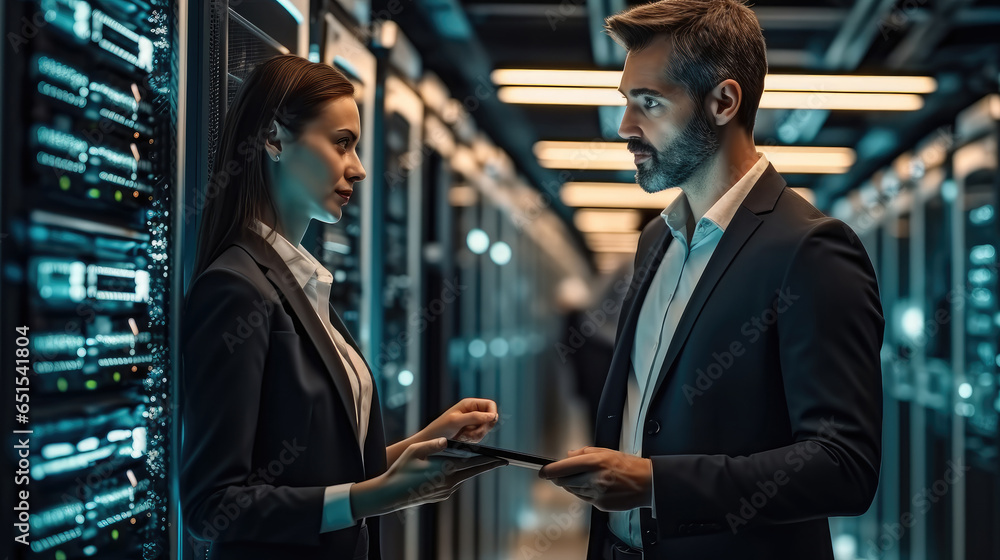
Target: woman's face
[[315, 173]]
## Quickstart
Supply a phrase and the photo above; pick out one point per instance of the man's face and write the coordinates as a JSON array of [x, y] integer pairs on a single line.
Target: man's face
[[666, 130]]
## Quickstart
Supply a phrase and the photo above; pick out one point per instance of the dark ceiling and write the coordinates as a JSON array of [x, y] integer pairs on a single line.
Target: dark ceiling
[[956, 41]]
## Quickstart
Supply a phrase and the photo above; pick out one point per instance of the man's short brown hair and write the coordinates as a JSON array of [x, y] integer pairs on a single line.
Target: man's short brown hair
[[713, 40]]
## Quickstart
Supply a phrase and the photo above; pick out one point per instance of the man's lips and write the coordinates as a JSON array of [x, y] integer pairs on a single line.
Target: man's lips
[[641, 153]]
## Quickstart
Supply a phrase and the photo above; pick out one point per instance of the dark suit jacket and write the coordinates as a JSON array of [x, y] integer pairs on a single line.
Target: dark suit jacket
[[268, 414], [766, 416]]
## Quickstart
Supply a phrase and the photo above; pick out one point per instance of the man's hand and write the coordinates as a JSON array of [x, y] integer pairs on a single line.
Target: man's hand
[[609, 480]]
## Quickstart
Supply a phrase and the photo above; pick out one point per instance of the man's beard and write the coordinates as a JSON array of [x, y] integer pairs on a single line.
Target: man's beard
[[675, 164]]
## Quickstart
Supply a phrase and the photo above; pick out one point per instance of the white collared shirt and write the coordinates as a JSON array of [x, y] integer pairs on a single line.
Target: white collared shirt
[[668, 295], [316, 281]]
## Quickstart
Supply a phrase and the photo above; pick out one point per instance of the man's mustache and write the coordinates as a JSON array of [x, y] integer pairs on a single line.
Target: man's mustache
[[639, 147]]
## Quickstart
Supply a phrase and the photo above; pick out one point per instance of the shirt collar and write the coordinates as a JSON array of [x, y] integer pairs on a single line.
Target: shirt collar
[[302, 264], [721, 213]]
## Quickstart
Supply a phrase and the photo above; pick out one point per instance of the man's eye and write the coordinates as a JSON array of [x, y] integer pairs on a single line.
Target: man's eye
[[650, 103]]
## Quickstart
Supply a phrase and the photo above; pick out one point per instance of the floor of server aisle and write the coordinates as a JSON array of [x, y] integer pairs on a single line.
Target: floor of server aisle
[[557, 527]]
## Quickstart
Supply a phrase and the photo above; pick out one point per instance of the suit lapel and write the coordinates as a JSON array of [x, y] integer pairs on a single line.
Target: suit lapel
[[279, 274], [609, 415], [761, 199], [374, 451]]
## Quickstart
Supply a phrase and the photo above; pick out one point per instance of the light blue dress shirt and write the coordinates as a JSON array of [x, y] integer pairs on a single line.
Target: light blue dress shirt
[[316, 281], [668, 295]]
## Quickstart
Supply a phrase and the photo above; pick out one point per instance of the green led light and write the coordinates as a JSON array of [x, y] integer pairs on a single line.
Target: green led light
[[117, 377], [114, 534], [64, 183], [93, 193], [60, 555], [118, 196], [91, 384], [62, 385]]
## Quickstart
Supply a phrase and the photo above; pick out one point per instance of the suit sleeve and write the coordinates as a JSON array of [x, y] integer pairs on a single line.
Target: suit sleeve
[[224, 357], [829, 339]]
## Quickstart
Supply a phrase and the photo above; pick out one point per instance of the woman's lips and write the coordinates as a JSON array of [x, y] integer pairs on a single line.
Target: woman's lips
[[346, 195]]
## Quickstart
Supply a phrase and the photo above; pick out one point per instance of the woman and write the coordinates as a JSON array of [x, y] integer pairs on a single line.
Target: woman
[[283, 454]]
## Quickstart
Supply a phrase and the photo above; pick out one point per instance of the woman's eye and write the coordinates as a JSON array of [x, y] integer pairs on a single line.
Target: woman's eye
[[344, 143]]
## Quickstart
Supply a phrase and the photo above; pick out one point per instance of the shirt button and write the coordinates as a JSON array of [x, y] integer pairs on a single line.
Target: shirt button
[[650, 536], [652, 427]]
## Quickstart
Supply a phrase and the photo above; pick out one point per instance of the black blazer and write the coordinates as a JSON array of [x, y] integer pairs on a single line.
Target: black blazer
[[767, 414], [267, 414]]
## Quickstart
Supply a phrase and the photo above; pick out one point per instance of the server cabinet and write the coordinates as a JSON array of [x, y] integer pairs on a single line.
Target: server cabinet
[[87, 251], [401, 325], [345, 248], [228, 40], [975, 347]]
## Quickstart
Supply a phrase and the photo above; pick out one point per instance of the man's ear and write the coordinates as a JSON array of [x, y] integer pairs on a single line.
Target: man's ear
[[272, 142], [723, 102]]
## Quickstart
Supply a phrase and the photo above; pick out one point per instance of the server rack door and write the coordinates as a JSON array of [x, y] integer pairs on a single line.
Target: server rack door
[[978, 402], [936, 387], [397, 356]]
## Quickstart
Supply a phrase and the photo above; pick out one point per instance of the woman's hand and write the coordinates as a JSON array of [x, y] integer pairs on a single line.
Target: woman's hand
[[417, 478], [469, 420]]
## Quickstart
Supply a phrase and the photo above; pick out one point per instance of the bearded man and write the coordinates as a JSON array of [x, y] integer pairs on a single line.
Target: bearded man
[[743, 406]]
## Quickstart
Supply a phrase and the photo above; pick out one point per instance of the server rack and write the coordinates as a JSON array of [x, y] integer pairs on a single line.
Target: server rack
[[397, 334], [937, 264], [88, 189], [977, 400], [345, 248], [237, 36]]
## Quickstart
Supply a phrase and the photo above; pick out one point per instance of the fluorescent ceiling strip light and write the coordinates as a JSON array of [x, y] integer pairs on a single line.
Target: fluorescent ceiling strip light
[[614, 156], [595, 221], [614, 195], [841, 101], [830, 101], [856, 84], [772, 82]]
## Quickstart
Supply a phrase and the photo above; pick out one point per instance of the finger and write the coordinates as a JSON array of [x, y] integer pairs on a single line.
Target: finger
[[476, 419], [477, 404], [585, 494], [591, 449], [466, 474], [587, 450], [570, 466], [450, 465], [479, 434], [577, 480], [424, 449], [474, 462]]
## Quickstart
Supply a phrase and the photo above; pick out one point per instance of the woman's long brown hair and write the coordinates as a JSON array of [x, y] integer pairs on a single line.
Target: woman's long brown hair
[[288, 89]]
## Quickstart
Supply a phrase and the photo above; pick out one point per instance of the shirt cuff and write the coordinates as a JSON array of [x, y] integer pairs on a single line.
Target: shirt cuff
[[337, 512], [652, 493]]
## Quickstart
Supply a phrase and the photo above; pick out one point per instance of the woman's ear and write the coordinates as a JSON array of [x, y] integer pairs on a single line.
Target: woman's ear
[[272, 143]]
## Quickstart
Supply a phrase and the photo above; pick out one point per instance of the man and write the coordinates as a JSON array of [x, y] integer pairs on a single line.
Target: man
[[744, 403]]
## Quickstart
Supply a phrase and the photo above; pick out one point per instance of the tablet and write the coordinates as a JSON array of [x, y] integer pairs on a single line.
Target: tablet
[[516, 458]]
